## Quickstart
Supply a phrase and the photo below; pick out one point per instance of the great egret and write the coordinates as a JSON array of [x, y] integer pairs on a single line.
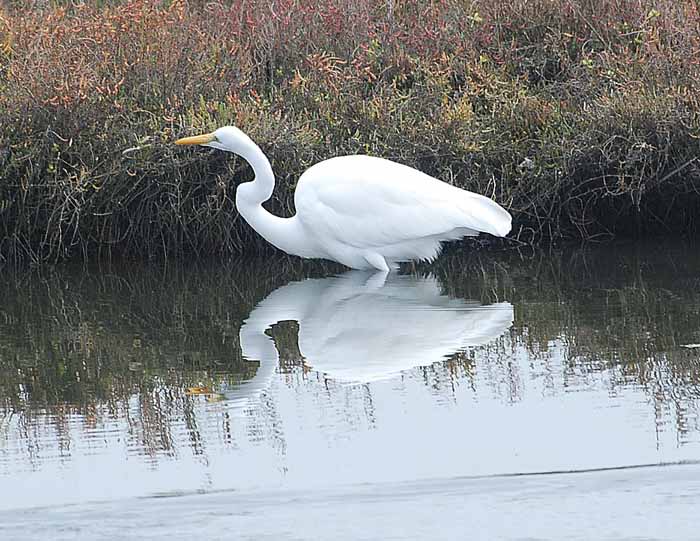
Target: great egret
[[361, 211]]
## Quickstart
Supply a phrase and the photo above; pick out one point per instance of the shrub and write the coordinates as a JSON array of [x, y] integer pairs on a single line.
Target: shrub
[[580, 117]]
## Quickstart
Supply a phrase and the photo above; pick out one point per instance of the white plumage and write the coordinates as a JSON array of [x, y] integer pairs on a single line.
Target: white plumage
[[361, 211]]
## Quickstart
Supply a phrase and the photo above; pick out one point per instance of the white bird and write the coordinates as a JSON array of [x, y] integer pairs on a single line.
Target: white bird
[[361, 211]]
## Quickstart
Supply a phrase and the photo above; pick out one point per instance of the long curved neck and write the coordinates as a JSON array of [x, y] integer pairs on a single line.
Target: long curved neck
[[284, 233]]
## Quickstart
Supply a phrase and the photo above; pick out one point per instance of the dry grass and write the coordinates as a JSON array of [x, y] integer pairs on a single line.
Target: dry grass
[[580, 116]]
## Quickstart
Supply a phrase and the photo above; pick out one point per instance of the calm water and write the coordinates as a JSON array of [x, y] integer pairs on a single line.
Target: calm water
[[497, 395]]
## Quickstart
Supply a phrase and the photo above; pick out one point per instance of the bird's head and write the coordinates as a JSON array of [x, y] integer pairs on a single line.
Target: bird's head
[[228, 138]]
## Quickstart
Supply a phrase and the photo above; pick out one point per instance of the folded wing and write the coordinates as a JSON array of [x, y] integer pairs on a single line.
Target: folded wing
[[367, 202]]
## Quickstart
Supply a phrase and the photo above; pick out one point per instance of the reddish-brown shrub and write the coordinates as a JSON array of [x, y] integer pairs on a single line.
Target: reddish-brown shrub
[[581, 116]]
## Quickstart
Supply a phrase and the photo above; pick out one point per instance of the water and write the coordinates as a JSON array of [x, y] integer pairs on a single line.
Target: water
[[496, 395]]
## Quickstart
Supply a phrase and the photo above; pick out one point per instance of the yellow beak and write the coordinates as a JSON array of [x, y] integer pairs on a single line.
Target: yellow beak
[[197, 139]]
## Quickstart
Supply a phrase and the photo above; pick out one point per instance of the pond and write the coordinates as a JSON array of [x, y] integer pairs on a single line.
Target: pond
[[519, 394]]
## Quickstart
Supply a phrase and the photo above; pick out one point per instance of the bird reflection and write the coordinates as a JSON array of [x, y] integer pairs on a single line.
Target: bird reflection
[[359, 328]]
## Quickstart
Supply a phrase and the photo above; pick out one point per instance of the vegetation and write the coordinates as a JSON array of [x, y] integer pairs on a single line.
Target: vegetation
[[579, 116]]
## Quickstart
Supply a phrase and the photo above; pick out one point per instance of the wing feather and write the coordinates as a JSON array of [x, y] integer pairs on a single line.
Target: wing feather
[[367, 202]]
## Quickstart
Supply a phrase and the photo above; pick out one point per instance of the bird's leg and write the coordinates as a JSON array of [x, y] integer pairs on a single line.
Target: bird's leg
[[377, 261]]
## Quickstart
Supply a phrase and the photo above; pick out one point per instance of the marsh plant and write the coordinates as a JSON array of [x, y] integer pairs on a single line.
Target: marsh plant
[[579, 116]]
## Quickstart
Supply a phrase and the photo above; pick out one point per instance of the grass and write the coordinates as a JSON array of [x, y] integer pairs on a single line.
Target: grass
[[581, 117]]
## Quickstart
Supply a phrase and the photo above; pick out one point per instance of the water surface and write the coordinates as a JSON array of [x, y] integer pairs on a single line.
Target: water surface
[[268, 397]]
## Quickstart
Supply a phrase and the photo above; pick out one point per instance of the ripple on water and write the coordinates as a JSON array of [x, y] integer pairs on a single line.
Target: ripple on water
[[251, 379]]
